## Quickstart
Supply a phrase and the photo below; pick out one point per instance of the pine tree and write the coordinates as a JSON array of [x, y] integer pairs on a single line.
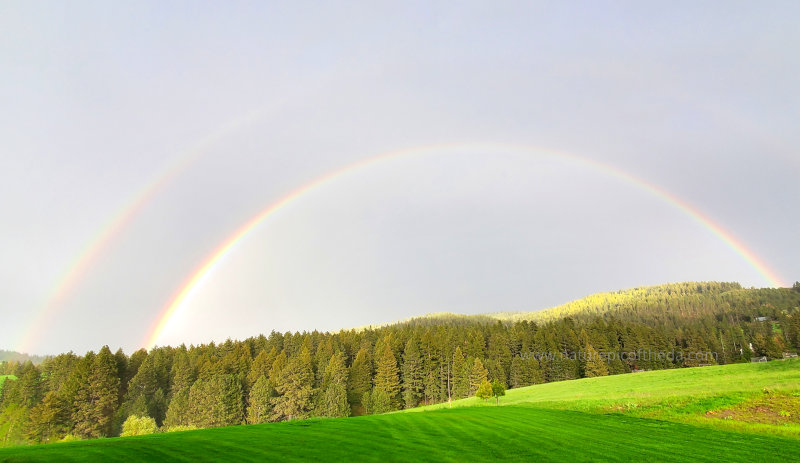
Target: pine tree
[[141, 392], [499, 356], [773, 350], [332, 401], [50, 420], [261, 366], [178, 409], [478, 375], [183, 374], [535, 375], [460, 375], [360, 380], [295, 386], [277, 367], [216, 401], [183, 377], [563, 368], [519, 376], [259, 408], [475, 344], [413, 385], [386, 376], [122, 367], [29, 385], [593, 365], [379, 402], [431, 367], [97, 400], [496, 371], [321, 359]]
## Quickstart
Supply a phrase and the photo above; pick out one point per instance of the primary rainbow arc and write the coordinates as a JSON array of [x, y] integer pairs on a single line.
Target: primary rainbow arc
[[204, 271]]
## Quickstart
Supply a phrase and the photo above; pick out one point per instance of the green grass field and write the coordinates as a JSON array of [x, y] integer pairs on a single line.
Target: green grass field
[[687, 395], [660, 415]]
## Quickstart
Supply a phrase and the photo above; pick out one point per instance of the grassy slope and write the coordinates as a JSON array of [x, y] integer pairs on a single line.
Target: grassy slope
[[682, 395], [660, 384], [550, 422], [512, 433]]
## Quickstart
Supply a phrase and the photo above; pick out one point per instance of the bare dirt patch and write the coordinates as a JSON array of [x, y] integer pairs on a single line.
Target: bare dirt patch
[[770, 409]]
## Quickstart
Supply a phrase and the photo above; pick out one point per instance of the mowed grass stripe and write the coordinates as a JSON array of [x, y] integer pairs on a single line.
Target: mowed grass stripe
[[516, 433]]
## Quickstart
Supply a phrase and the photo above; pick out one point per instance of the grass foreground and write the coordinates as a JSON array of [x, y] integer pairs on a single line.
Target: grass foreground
[[660, 415]]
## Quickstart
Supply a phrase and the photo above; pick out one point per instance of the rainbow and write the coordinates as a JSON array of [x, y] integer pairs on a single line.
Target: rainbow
[[206, 269], [114, 226]]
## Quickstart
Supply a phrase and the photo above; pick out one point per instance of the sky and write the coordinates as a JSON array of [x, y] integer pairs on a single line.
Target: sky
[[373, 161]]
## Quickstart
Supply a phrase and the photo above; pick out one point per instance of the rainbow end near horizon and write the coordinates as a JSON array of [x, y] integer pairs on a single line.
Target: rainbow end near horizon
[[201, 274], [119, 221]]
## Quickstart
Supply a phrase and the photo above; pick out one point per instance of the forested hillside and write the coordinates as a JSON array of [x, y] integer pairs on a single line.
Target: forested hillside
[[286, 376], [9, 356]]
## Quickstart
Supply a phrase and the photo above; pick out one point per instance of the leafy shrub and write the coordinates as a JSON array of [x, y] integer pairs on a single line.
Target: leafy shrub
[[138, 426], [180, 427]]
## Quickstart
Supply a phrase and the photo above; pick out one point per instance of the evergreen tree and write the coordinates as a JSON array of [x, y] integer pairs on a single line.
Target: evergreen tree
[[178, 409], [216, 401], [122, 368], [97, 400], [183, 373], [386, 376], [277, 367], [259, 408], [141, 398], [378, 402], [496, 371], [478, 375], [50, 420], [261, 366], [360, 380], [432, 368], [773, 349], [134, 363], [295, 386], [28, 385], [519, 376], [534, 373], [321, 359], [499, 355], [413, 385], [593, 365], [563, 367], [461, 372], [333, 397]]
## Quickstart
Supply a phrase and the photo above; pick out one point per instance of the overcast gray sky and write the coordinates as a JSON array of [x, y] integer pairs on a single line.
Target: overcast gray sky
[[231, 106]]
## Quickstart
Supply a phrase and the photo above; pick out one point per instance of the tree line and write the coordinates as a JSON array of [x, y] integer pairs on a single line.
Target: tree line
[[288, 376]]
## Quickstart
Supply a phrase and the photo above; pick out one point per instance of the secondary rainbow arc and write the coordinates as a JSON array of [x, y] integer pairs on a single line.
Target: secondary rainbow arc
[[114, 226]]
